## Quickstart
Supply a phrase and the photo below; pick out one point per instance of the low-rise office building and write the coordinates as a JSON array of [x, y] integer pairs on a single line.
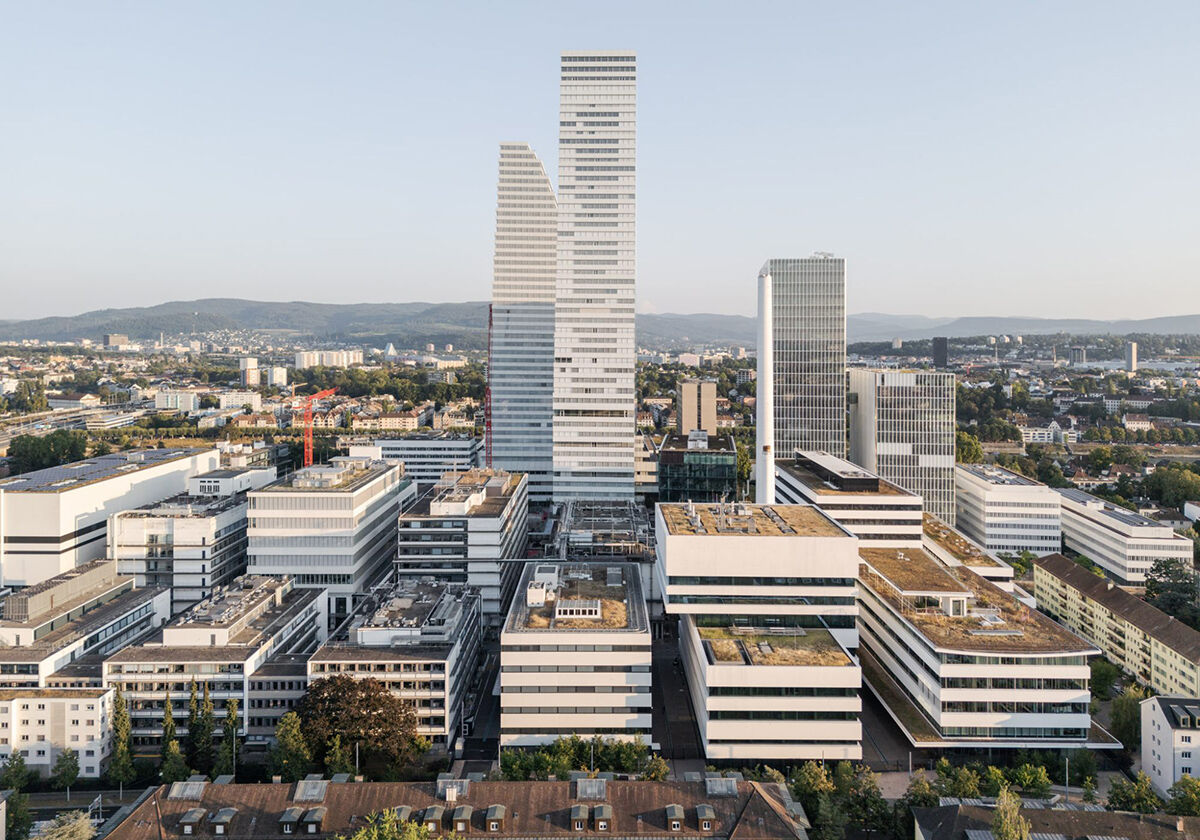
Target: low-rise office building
[[190, 543], [575, 655], [54, 519], [952, 549], [1122, 542], [873, 509], [1005, 512], [469, 528], [427, 455], [218, 644], [1170, 740], [765, 597], [80, 614], [42, 723], [331, 527], [960, 663], [697, 466], [1161, 652], [420, 640]]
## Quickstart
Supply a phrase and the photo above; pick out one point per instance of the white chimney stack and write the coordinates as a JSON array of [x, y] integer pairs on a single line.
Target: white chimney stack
[[764, 423]]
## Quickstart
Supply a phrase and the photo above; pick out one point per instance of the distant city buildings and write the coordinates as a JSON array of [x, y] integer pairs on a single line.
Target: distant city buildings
[[1131, 356], [1078, 356], [902, 426], [328, 358], [696, 406], [941, 352]]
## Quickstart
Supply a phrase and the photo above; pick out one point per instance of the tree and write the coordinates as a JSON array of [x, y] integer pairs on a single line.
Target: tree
[[290, 758], [1007, 822], [1127, 717], [962, 782], [200, 738], [1089, 790], [1171, 587], [227, 755], [364, 713], [386, 826], [174, 766], [967, 449], [1137, 796], [66, 771], [1104, 677], [168, 729], [829, 821], [1183, 797], [70, 825], [14, 775], [657, 769], [1099, 459], [338, 758], [811, 782], [120, 767], [993, 781], [1033, 780], [193, 721], [35, 452]]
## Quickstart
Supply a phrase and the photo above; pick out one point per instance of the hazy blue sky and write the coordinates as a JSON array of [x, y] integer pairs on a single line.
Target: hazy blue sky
[[1036, 158]]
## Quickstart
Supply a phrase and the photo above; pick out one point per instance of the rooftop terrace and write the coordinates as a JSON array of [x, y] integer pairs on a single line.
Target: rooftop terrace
[[958, 546], [998, 475], [342, 475], [748, 520], [599, 596], [781, 646]]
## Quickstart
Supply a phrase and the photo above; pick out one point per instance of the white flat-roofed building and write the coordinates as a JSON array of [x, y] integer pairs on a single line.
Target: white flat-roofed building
[[192, 542], [332, 527], [765, 595], [960, 663], [421, 641], [1122, 542], [220, 642], [873, 509], [1170, 740], [86, 611], [426, 456], [240, 399], [54, 519], [952, 549], [41, 723], [469, 528], [1005, 512], [182, 401], [575, 655]]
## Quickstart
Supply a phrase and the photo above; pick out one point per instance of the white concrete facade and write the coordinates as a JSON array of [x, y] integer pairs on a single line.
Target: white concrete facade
[[425, 456], [1170, 740], [594, 342], [42, 724], [1120, 541], [1006, 512]]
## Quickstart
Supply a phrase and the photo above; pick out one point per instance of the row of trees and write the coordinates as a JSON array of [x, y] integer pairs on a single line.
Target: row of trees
[[1119, 434], [36, 452], [594, 755]]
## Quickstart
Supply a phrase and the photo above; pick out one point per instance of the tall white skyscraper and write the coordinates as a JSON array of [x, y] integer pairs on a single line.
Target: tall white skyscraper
[[594, 342], [902, 428], [521, 368], [808, 303]]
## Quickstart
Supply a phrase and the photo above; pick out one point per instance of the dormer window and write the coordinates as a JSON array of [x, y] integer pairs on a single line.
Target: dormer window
[[674, 817], [494, 825], [706, 825], [674, 825]]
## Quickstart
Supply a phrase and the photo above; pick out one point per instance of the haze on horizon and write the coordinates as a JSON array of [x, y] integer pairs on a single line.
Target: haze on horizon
[[1019, 159]]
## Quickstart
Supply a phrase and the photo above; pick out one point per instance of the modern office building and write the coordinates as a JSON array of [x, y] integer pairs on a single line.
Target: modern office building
[[697, 466], [1131, 357], [421, 640], [1120, 541], [765, 596], [521, 359], [54, 519], [902, 427], [809, 326], [469, 528], [219, 643], [189, 543], [42, 723], [331, 527], [575, 655], [941, 352], [875, 510], [425, 455], [1005, 512], [594, 345], [961, 664], [1170, 740], [1158, 650], [696, 406], [80, 614]]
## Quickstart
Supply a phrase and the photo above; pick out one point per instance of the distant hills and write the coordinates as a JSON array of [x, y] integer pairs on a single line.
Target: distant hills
[[464, 324]]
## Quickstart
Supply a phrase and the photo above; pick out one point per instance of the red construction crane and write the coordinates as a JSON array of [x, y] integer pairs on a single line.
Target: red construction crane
[[308, 422]]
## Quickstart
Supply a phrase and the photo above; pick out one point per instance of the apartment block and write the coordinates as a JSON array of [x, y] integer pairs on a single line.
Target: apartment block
[[426, 456], [575, 655], [1120, 541], [189, 543], [421, 640], [1161, 652], [875, 510], [219, 643], [469, 528], [1005, 512], [55, 519], [42, 723], [765, 597], [331, 527], [1170, 740], [696, 406], [182, 401], [960, 663]]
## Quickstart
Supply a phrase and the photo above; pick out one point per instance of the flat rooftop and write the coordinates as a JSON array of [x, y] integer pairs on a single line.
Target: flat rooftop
[[88, 623], [457, 489], [777, 646], [92, 470], [852, 479], [186, 506], [1107, 510], [715, 443], [998, 475], [227, 605], [995, 621], [956, 544], [748, 520], [584, 596], [327, 478]]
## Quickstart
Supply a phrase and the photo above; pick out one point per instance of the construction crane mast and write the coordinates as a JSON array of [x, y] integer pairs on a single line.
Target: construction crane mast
[[308, 422]]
